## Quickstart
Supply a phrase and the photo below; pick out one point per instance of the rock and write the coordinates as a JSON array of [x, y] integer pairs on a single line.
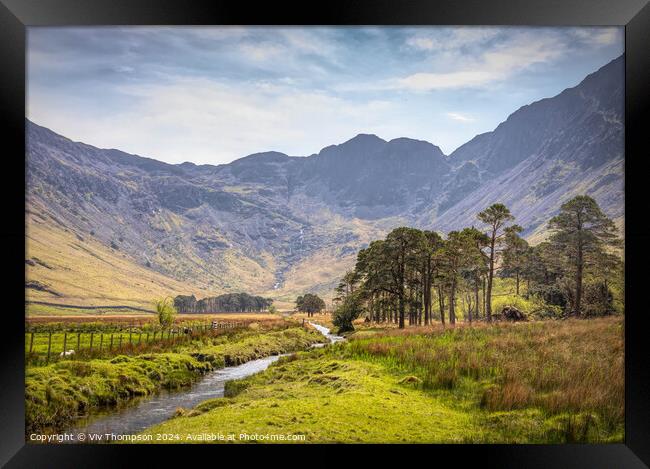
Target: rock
[[510, 313]]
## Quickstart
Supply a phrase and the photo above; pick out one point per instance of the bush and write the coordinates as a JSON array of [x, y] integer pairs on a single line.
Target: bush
[[346, 313], [598, 300], [166, 312]]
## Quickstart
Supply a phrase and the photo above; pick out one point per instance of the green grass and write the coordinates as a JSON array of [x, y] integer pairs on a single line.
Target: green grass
[[570, 371], [57, 393], [327, 400], [539, 382]]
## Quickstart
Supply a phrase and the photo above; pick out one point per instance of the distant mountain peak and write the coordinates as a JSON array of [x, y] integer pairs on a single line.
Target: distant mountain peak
[[267, 156], [365, 138]]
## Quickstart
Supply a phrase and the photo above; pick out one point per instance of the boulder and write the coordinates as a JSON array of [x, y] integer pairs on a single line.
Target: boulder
[[510, 313]]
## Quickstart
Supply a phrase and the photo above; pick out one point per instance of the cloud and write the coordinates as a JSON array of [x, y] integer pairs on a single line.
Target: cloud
[[447, 39], [492, 64], [460, 117], [597, 36], [204, 121], [212, 94]]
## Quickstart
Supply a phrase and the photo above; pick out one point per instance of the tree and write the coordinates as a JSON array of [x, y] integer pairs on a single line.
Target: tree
[[474, 262], [582, 233], [495, 216], [349, 310], [402, 247], [451, 257], [310, 304], [514, 254], [166, 311], [430, 269]]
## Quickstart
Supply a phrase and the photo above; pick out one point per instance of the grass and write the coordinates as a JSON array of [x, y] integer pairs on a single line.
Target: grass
[[568, 368], [536, 382], [58, 393], [327, 400], [89, 273]]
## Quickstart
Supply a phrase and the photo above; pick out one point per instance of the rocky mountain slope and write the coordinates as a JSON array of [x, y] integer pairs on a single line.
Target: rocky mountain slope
[[278, 225]]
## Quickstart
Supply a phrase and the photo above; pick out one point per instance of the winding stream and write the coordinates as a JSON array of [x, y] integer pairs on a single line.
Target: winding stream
[[149, 411], [326, 332]]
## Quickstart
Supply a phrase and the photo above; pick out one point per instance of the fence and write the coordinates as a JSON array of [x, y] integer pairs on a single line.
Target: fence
[[46, 347]]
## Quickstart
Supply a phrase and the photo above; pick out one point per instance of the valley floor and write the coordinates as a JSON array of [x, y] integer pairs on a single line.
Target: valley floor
[[539, 382]]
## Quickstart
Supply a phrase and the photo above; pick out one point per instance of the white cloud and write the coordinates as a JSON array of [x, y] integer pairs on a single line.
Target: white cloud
[[460, 117], [598, 36], [423, 43], [447, 39], [203, 121], [495, 64], [432, 81]]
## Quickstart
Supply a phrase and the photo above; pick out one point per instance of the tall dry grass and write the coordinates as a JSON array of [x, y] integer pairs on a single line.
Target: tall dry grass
[[572, 366]]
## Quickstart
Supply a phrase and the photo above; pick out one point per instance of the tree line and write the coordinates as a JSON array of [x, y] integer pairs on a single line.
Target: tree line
[[227, 303], [418, 276]]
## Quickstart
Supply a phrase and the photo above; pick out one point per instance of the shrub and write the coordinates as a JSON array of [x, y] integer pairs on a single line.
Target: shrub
[[346, 313], [166, 312]]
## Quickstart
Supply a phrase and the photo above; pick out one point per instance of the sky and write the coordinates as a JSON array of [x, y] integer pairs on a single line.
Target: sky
[[210, 95]]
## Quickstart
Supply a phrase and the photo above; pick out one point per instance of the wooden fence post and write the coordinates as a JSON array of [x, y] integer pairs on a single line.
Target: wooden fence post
[[78, 341], [140, 338], [92, 335], [65, 342], [120, 341], [31, 343], [101, 342], [110, 347], [49, 346], [130, 336]]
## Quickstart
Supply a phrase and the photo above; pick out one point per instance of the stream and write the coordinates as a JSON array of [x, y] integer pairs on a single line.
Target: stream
[[145, 412]]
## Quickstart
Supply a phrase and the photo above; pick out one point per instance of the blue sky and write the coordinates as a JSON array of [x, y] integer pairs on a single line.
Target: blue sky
[[215, 94]]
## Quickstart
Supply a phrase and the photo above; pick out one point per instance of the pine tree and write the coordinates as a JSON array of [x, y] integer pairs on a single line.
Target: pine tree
[[582, 233]]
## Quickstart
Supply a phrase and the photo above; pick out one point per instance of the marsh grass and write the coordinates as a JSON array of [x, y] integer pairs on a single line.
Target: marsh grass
[[573, 369]]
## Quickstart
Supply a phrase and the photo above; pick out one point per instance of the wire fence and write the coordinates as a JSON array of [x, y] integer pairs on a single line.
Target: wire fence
[[44, 347]]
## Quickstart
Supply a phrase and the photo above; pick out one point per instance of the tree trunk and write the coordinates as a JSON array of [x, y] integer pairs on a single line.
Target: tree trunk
[[475, 299], [580, 267], [488, 304], [484, 293], [427, 300], [401, 310], [517, 282], [452, 303], [441, 302]]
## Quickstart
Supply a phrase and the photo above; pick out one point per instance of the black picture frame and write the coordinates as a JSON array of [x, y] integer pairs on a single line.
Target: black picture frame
[[16, 15]]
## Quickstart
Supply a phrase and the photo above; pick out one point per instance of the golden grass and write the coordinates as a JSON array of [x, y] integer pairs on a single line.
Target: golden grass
[[572, 366], [87, 273]]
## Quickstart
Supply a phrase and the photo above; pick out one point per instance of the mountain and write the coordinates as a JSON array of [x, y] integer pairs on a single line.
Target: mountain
[[279, 225], [545, 153]]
